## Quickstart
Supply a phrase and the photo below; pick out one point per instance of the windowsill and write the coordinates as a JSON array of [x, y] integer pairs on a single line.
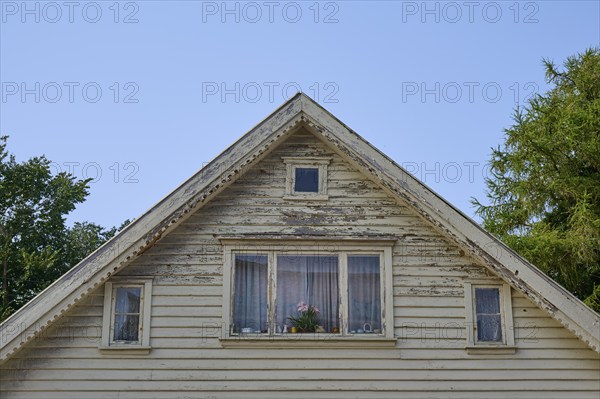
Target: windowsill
[[308, 341], [491, 349], [126, 349], [306, 197]]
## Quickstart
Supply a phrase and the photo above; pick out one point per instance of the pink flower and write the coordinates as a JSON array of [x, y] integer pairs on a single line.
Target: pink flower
[[302, 307]]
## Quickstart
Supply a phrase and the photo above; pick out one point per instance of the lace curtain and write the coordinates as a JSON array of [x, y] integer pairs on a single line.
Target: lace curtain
[[364, 299], [127, 314], [309, 279], [489, 322], [250, 299]]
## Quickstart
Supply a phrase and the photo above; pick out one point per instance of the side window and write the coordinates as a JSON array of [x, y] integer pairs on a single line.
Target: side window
[[126, 322], [306, 178], [489, 316], [127, 308]]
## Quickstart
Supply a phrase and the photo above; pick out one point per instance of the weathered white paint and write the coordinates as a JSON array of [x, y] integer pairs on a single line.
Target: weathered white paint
[[187, 359], [300, 110]]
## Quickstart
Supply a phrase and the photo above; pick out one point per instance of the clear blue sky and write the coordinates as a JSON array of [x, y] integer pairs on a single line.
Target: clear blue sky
[[432, 84]]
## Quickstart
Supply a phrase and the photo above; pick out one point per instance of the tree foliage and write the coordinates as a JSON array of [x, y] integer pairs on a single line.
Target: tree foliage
[[36, 246], [544, 187]]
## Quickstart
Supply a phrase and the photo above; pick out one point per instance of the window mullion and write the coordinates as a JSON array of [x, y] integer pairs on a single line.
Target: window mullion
[[387, 318], [506, 314], [229, 277], [471, 318], [113, 304], [343, 292], [272, 292]]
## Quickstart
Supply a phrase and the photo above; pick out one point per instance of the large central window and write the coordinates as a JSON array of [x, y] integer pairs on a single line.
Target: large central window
[[277, 291]]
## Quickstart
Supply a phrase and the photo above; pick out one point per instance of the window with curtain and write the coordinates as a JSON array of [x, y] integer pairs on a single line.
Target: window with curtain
[[126, 326], [274, 290], [126, 314], [251, 290], [364, 294], [487, 310], [308, 279]]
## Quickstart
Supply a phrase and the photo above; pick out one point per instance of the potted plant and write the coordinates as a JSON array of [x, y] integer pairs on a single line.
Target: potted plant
[[307, 319]]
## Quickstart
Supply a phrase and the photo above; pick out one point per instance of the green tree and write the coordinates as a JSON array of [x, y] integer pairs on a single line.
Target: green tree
[[36, 246], [544, 187]]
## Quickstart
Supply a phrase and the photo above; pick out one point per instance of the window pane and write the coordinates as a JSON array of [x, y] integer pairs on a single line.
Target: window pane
[[126, 327], [308, 279], [489, 320], [128, 300], [364, 294], [307, 180], [250, 294], [489, 327], [487, 300]]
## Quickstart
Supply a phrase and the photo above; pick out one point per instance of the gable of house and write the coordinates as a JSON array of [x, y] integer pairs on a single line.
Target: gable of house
[[187, 266]]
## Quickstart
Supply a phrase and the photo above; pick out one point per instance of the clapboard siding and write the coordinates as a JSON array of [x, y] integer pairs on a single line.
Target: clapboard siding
[[187, 361]]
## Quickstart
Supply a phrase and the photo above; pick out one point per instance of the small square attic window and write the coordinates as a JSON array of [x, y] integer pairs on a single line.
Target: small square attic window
[[306, 178]]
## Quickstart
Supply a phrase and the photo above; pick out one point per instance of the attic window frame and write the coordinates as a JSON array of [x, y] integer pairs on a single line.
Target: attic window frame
[[507, 346], [319, 163], [143, 344]]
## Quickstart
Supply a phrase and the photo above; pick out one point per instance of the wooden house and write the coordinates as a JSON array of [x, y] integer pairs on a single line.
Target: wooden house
[[200, 297]]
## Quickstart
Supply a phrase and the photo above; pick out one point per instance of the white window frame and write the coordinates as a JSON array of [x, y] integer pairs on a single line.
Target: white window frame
[[342, 250], [506, 316], [108, 320], [292, 163]]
